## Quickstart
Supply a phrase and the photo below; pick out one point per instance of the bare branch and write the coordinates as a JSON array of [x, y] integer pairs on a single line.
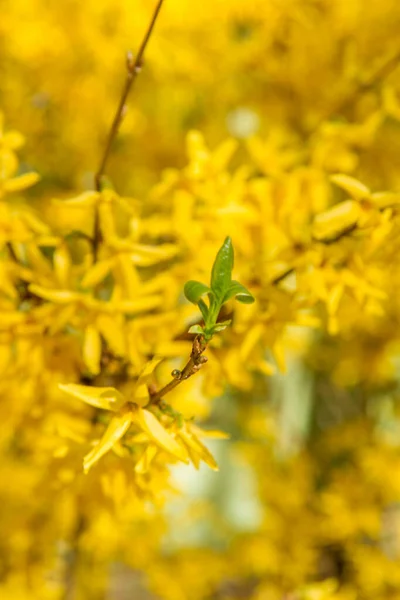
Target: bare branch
[[134, 67], [194, 364]]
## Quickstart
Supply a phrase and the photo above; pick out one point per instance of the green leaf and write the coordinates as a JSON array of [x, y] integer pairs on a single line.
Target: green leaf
[[221, 274], [203, 309], [241, 293], [196, 329], [221, 326], [194, 290]]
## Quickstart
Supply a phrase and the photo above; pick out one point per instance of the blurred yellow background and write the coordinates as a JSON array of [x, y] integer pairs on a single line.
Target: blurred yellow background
[[298, 105]]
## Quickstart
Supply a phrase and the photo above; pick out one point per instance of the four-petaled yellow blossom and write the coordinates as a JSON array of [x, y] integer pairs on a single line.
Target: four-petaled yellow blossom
[[180, 441]]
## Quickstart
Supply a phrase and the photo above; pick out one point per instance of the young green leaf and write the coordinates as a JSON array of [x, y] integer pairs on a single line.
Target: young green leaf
[[221, 326], [203, 309], [196, 329], [221, 274], [194, 290], [241, 293]]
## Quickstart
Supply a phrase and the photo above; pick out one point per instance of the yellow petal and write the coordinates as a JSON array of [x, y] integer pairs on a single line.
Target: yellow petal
[[34, 223], [47, 240], [142, 396], [21, 182], [215, 434], [307, 320], [173, 349], [146, 256], [143, 464], [152, 426], [149, 368], [9, 319], [97, 273], [194, 458], [147, 372], [333, 325], [336, 221], [251, 340], [56, 296], [140, 438], [279, 355], [37, 261], [13, 140], [198, 448], [128, 276], [223, 154], [157, 283], [8, 288], [197, 151], [101, 397], [334, 299], [84, 200], [355, 188], [391, 102], [140, 390], [62, 264], [71, 428], [112, 328], [117, 428], [92, 349], [107, 222], [61, 317], [134, 306], [7, 281], [384, 200], [265, 367], [61, 451], [9, 165]]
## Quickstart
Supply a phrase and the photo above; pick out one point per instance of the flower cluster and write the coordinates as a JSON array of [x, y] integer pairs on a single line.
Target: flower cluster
[[99, 411]]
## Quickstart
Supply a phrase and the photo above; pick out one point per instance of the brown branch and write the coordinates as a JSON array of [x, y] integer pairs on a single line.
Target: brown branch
[[12, 252], [195, 362], [277, 280], [133, 69]]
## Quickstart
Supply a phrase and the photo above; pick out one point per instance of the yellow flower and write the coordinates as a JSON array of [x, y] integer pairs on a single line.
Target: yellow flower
[[127, 412]]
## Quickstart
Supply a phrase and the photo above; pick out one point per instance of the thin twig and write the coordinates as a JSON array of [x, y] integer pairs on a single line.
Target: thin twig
[[282, 276], [133, 69], [195, 362]]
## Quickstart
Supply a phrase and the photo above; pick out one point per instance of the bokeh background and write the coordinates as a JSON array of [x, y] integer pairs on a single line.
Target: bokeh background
[[286, 94]]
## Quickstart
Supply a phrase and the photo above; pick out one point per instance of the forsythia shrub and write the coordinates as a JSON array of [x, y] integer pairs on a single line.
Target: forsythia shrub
[[101, 421]]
